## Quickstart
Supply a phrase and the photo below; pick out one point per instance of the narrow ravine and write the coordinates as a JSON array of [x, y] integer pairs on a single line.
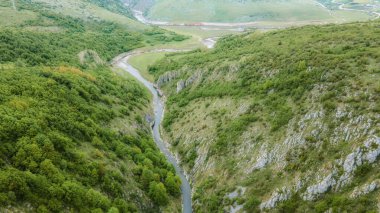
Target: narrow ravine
[[158, 106]]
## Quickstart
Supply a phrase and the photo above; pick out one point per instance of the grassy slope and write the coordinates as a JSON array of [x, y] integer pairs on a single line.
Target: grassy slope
[[85, 10], [243, 11], [253, 98], [73, 135], [142, 62]]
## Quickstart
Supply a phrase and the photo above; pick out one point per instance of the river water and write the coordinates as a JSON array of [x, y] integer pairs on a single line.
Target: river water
[[158, 106]]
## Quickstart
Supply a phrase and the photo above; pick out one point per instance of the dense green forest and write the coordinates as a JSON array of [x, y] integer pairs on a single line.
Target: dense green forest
[[106, 38], [252, 98], [58, 150], [72, 132]]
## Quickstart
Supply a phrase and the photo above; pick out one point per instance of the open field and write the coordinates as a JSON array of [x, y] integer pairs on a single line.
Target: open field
[[203, 32], [143, 61], [247, 11], [14, 17], [79, 9]]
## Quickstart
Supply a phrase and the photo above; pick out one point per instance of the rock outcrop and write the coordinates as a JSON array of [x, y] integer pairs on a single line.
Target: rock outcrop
[[366, 154], [313, 191], [278, 196], [191, 80], [365, 189], [180, 85], [168, 77]]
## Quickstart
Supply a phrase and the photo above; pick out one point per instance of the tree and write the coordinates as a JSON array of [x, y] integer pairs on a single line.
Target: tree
[[173, 184], [96, 199], [74, 193], [146, 178], [157, 192], [47, 168], [113, 210]]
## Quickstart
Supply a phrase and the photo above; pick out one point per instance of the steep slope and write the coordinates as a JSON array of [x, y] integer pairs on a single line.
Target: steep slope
[[286, 119], [73, 135]]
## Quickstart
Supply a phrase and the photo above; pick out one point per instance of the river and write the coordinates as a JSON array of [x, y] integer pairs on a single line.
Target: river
[[158, 106]]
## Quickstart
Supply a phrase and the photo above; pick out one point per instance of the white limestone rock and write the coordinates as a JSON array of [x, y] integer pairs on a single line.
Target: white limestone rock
[[180, 85], [368, 154], [314, 191], [168, 77], [365, 189], [191, 80], [278, 196], [373, 146]]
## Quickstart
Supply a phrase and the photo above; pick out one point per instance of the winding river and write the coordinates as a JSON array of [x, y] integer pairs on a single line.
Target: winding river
[[122, 62], [158, 104]]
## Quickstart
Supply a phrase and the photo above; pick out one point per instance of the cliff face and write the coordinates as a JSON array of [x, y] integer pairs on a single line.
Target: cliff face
[[286, 120]]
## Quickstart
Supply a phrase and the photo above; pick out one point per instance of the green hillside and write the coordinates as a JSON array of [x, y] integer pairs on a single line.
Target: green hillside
[[286, 119], [88, 10], [277, 121], [271, 12], [116, 6], [73, 133]]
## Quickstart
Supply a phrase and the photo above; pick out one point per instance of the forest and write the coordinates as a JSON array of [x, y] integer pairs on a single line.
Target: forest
[[57, 146], [61, 147]]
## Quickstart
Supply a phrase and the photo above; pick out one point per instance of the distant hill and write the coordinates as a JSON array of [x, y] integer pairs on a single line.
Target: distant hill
[[269, 12]]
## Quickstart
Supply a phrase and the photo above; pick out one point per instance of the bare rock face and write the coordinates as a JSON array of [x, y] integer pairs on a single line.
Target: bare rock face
[[366, 154], [235, 207], [168, 77], [356, 128], [313, 191], [373, 149], [365, 189], [181, 85], [263, 159], [191, 80], [277, 196]]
